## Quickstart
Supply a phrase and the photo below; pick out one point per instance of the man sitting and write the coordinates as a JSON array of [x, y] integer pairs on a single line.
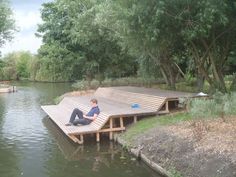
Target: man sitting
[[84, 119]]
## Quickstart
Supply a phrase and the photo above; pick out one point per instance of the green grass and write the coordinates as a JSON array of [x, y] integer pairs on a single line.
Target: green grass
[[174, 173], [149, 123], [58, 99]]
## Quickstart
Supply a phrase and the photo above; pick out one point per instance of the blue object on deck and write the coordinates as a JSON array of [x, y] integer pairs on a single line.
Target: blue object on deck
[[135, 105]]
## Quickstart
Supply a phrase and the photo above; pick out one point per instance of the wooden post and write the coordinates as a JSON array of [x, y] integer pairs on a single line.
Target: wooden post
[[98, 147], [97, 137], [82, 139], [111, 127], [76, 140], [135, 119], [167, 106], [121, 122], [112, 150]]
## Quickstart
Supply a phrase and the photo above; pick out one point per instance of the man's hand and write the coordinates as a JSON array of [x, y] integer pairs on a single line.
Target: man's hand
[[91, 117]]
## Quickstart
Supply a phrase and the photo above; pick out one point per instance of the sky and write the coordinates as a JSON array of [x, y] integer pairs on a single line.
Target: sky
[[27, 16]]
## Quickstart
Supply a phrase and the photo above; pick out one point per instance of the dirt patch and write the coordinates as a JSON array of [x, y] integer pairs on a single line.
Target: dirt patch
[[213, 154]]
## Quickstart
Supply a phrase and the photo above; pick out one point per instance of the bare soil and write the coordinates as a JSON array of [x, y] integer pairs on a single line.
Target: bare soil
[[196, 149]]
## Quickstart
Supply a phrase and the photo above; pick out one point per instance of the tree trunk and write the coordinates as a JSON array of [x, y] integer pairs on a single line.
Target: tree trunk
[[200, 82], [167, 67], [169, 75], [165, 75], [218, 75], [233, 85]]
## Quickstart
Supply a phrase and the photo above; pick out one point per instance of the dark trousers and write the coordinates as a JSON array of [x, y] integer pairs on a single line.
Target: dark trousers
[[81, 120]]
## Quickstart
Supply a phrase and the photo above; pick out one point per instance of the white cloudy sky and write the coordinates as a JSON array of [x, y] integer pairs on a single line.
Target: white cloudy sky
[[27, 16]]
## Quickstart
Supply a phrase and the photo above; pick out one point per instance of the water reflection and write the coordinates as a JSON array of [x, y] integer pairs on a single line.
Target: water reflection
[[8, 158], [100, 159], [33, 146]]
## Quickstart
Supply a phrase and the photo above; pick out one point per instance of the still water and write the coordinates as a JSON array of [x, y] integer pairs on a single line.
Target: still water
[[32, 146]]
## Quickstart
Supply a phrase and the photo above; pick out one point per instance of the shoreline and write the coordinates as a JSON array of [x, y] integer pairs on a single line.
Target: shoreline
[[137, 152], [172, 151]]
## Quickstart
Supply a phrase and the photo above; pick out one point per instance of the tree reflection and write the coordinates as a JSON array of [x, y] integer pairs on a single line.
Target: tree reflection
[[91, 159], [8, 159]]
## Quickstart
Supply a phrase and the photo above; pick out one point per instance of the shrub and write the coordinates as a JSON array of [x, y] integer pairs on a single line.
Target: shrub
[[229, 106], [81, 85], [190, 79], [94, 84], [107, 83], [219, 106], [125, 81], [229, 77]]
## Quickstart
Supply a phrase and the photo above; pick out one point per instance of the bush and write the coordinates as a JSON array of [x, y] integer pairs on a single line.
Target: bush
[[190, 79], [229, 106], [125, 81], [81, 85], [107, 83], [229, 77], [219, 106], [94, 84]]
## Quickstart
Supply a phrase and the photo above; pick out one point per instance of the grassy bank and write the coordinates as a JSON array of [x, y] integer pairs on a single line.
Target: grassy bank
[[185, 146], [146, 124]]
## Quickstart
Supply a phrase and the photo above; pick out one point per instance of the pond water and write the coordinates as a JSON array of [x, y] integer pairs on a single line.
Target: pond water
[[31, 145]]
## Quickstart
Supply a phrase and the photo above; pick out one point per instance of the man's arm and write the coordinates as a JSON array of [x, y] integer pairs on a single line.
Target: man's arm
[[91, 117]]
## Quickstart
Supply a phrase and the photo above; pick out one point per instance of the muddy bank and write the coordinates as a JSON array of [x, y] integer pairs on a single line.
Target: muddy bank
[[204, 150]]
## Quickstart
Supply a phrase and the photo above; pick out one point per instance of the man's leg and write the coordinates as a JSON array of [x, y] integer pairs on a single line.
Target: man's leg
[[76, 112], [81, 121]]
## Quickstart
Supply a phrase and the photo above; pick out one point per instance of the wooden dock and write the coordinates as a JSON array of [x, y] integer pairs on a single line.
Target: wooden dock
[[115, 104], [8, 89]]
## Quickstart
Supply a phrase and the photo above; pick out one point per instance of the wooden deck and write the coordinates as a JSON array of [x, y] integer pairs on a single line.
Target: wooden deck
[[8, 89], [115, 105]]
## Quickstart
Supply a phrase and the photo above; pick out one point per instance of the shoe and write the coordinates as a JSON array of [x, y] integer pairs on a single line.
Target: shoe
[[68, 124]]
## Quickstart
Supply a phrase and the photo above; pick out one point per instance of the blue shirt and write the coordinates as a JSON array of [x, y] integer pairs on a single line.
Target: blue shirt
[[94, 110]]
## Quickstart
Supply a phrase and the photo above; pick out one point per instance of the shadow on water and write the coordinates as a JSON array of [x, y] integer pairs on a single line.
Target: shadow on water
[[96, 159]]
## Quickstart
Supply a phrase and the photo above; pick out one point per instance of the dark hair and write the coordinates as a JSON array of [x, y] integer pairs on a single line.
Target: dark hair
[[93, 100]]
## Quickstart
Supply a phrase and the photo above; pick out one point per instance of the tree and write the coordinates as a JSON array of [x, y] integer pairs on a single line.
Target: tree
[[148, 33], [7, 27], [209, 31], [15, 65], [167, 30], [81, 46]]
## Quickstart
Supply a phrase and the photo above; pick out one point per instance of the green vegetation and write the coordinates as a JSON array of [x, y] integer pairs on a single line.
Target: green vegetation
[[132, 81], [18, 66], [77, 46], [174, 173], [100, 39], [147, 124], [7, 27], [220, 105], [96, 41]]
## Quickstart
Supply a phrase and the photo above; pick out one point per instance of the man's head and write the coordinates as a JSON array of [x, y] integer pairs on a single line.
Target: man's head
[[94, 102]]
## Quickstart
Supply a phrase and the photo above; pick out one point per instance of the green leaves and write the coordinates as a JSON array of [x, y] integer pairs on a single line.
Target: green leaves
[[7, 27], [109, 38], [76, 28], [16, 65]]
